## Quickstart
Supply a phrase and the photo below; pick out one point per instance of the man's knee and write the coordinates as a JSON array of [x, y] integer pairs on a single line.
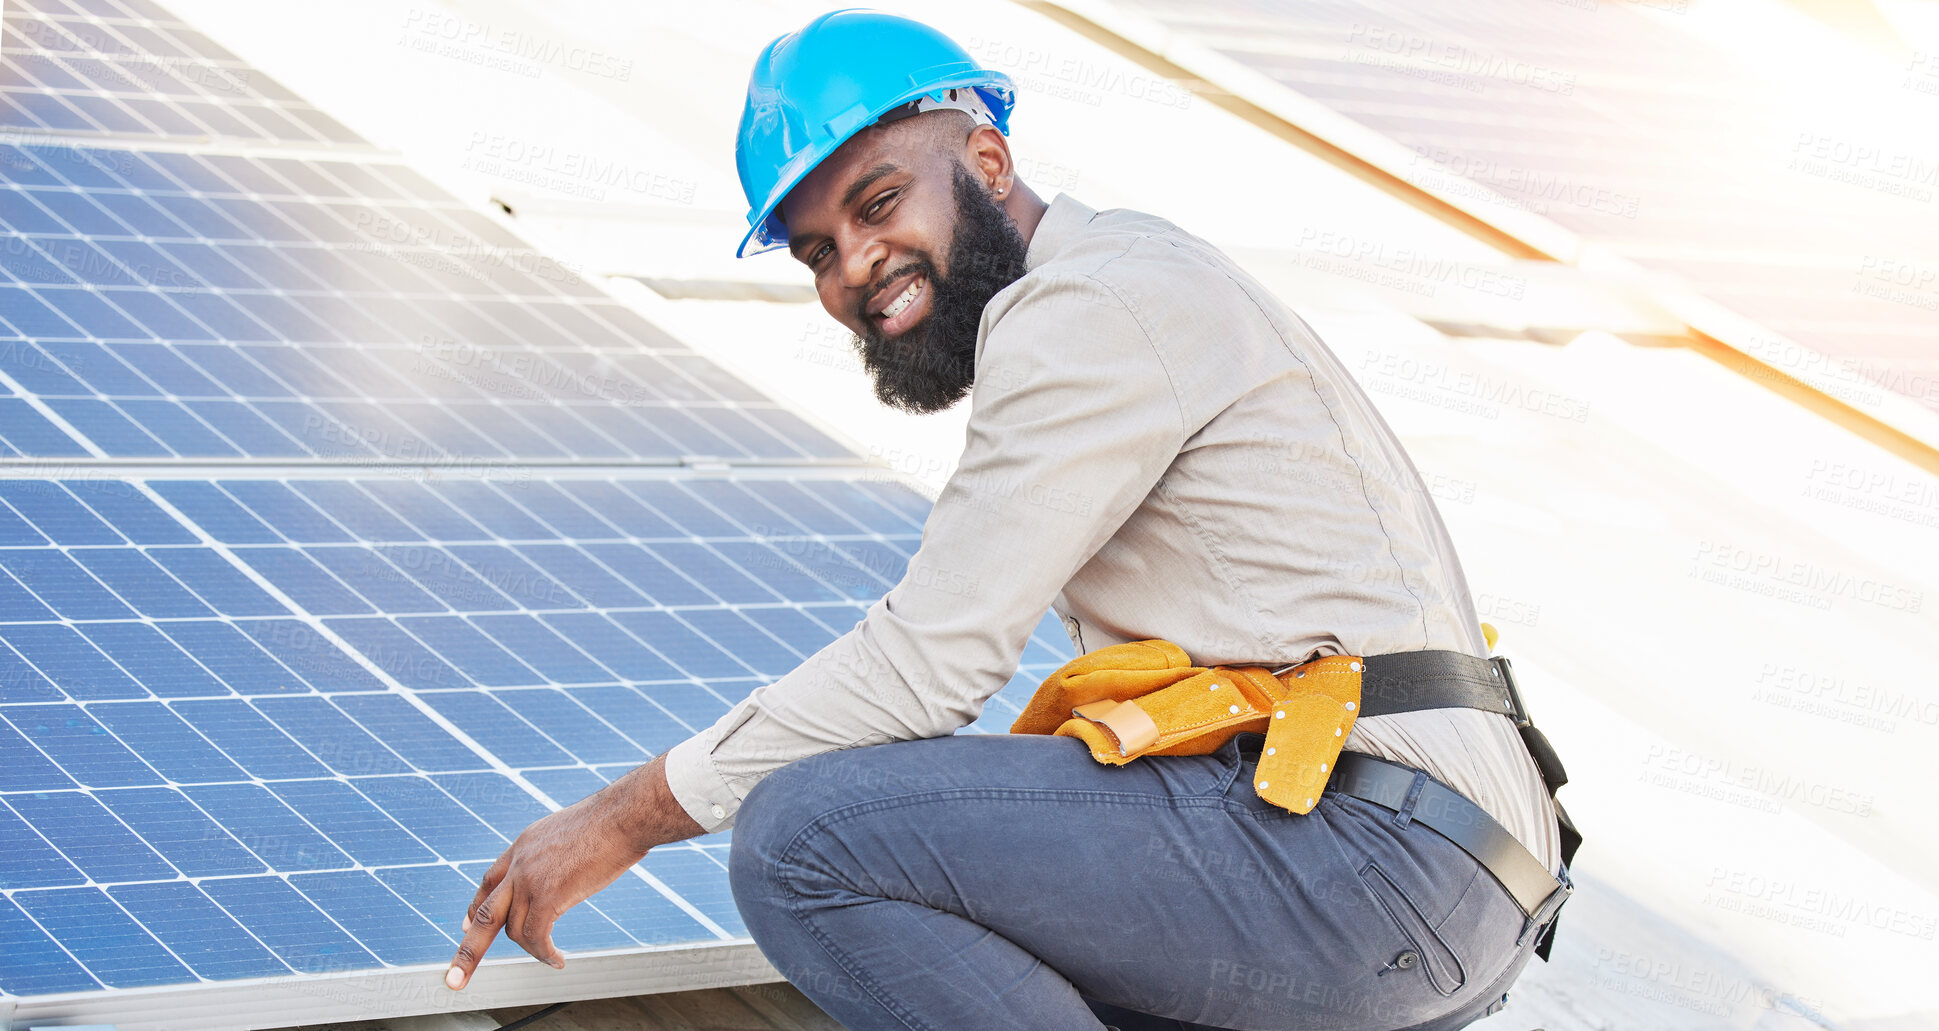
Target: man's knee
[[769, 816], [788, 836], [802, 791], [787, 801], [760, 830], [778, 812]]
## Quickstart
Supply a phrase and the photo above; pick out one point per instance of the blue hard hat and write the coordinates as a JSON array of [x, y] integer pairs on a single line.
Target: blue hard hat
[[813, 89]]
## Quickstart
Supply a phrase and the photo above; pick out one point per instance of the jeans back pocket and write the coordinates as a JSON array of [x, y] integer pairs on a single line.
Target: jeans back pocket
[[1442, 966]]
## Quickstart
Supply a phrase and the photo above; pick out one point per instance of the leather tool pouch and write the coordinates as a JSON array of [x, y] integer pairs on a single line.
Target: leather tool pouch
[[1146, 698]]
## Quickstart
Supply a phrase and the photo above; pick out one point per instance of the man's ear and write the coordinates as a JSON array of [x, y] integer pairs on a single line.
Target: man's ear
[[988, 155]]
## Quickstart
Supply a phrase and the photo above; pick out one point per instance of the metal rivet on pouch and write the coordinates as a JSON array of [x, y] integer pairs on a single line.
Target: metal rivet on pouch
[[1235, 710]]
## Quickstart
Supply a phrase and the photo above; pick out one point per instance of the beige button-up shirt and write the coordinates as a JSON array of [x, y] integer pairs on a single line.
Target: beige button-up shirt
[[1157, 447]]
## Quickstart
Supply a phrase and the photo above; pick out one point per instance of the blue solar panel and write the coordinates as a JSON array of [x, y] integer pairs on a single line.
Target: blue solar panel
[[411, 702], [103, 937], [292, 324], [192, 927], [279, 721]]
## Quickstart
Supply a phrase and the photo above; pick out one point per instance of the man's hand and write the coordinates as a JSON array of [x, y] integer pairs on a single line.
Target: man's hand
[[561, 860]]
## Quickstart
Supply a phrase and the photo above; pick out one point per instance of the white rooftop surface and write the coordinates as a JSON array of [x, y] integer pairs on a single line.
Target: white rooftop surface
[[1724, 610]]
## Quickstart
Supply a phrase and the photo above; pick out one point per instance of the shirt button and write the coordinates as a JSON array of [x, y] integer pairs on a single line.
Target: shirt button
[[1406, 960], [719, 811]]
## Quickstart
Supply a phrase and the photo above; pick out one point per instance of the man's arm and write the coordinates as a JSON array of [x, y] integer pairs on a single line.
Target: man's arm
[[562, 859], [1073, 420]]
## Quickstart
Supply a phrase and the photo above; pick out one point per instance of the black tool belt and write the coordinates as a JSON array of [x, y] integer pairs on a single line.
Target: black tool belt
[[1411, 681]]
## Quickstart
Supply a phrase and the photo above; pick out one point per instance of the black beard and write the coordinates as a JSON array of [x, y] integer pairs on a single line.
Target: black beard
[[932, 365]]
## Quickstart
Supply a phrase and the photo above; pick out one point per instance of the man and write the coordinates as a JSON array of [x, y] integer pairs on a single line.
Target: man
[[1160, 449]]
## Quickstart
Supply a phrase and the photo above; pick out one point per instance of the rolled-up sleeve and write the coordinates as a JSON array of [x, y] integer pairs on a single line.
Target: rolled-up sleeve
[[1073, 419]]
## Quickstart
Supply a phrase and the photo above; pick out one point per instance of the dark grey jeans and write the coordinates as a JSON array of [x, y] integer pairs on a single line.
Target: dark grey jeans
[[996, 882]]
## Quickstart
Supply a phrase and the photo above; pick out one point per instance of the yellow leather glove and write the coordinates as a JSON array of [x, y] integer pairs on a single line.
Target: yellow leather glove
[[1146, 698]]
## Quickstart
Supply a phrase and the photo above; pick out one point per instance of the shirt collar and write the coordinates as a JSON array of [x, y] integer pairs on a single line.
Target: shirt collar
[[1062, 220]]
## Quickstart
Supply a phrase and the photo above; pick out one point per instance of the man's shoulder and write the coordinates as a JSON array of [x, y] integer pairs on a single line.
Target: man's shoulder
[[1151, 267], [1113, 242], [1123, 258]]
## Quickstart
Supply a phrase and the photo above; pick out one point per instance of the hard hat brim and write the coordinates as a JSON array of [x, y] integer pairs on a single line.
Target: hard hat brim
[[996, 87]]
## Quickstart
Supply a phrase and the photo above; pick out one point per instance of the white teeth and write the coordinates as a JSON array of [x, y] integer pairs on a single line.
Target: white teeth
[[895, 307]]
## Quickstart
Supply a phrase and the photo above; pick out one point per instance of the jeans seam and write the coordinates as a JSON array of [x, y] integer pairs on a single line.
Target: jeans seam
[[1484, 881], [1459, 898], [1232, 767]]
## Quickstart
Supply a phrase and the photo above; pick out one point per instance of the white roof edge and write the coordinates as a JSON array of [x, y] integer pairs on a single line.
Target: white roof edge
[[397, 991]]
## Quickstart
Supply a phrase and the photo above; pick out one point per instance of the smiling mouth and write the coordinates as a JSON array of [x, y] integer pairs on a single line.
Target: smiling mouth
[[905, 309], [903, 300]]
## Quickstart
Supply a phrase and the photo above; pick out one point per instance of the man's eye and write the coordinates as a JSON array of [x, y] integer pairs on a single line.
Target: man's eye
[[816, 257], [876, 207]]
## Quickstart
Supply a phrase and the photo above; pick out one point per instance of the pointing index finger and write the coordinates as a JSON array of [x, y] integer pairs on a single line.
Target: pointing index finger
[[486, 885], [484, 922]]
